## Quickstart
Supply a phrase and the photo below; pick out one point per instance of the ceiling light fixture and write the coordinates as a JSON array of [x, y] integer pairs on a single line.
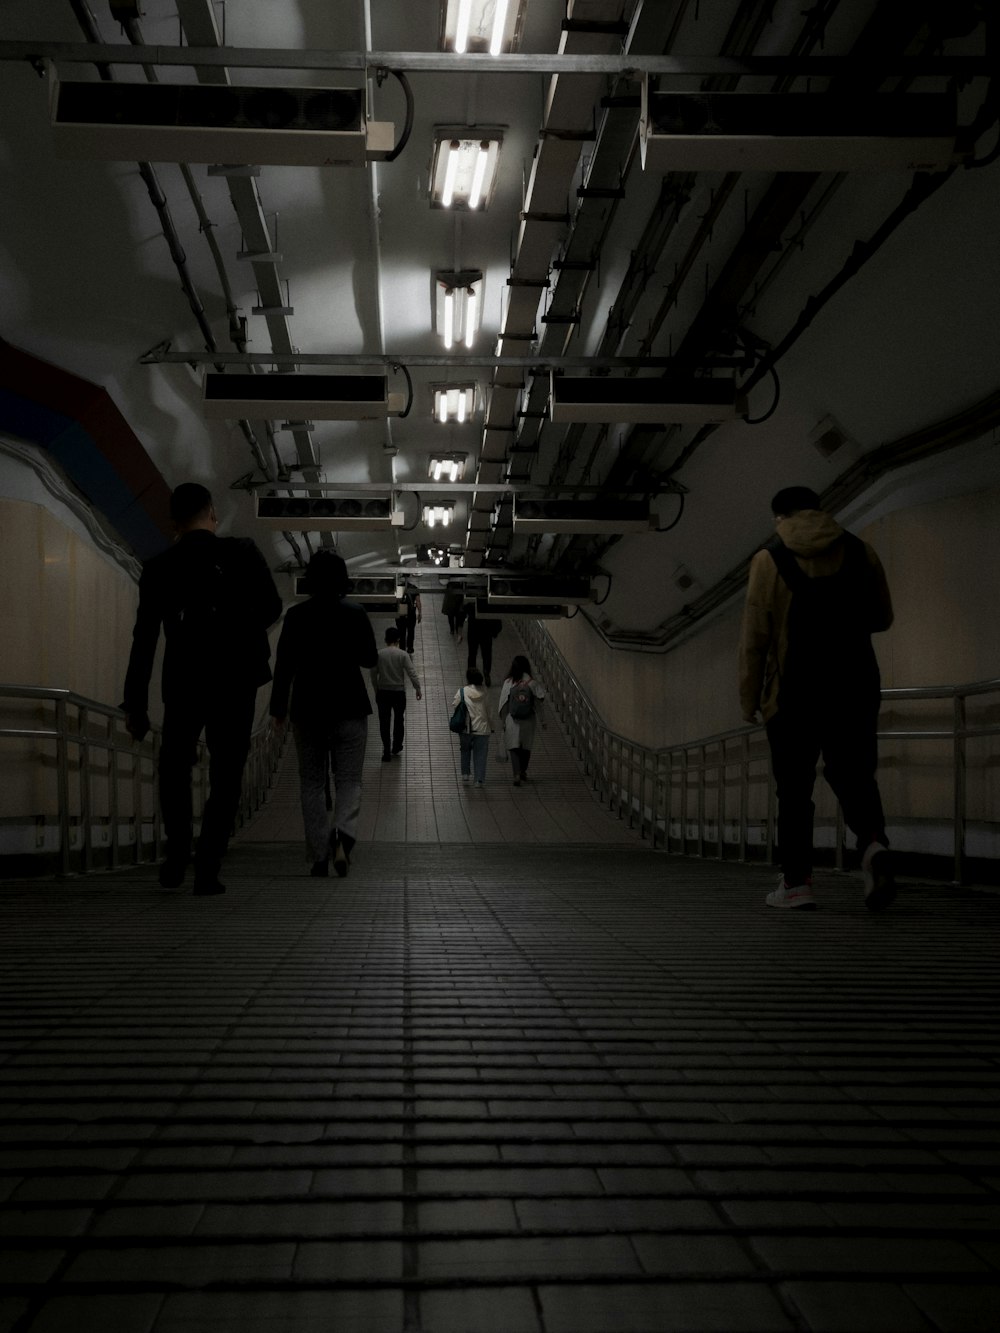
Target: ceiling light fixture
[[458, 306], [446, 467], [438, 514], [464, 166], [481, 25], [454, 402]]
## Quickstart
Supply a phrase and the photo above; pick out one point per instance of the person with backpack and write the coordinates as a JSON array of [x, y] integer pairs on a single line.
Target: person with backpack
[[214, 598], [816, 594], [325, 642], [472, 723], [520, 703]]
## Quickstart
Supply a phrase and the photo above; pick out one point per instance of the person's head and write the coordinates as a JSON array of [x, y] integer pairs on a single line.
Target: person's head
[[392, 636], [520, 668], [473, 676], [792, 499], [326, 575], [191, 507]]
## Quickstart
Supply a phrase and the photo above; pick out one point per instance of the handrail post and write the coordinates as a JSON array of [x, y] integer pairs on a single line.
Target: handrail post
[[744, 795], [112, 753], [62, 786], [86, 828], [959, 765]]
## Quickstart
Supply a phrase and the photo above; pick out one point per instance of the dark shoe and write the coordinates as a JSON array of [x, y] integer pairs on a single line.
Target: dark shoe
[[172, 873], [486, 678], [340, 861], [880, 883], [517, 782], [387, 758], [320, 869], [397, 750], [209, 885]]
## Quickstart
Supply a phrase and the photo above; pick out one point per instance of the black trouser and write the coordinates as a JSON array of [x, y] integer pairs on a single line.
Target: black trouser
[[844, 733], [481, 640], [407, 626], [226, 717], [519, 761], [391, 705]]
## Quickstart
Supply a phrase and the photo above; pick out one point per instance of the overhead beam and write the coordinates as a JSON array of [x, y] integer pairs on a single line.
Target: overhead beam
[[156, 357], [443, 62]]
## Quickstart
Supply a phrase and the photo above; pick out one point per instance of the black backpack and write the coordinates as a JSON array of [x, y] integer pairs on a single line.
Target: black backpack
[[521, 701], [829, 622]]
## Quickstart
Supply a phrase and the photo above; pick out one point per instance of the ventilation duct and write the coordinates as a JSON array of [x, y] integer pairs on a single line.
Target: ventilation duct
[[202, 122], [299, 397], [374, 594], [797, 131], [533, 610], [295, 513], [594, 398], [504, 591], [582, 516]]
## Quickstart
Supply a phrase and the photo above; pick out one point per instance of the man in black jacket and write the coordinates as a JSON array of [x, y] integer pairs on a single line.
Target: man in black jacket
[[215, 598]]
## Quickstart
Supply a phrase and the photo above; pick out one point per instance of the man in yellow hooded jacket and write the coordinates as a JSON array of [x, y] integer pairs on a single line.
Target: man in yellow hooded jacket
[[816, 594]]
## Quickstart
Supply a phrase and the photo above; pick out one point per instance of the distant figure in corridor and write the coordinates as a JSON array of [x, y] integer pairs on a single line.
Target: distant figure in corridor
[[215, 598], [816, 595], [520, 706], [474, 741], [324, 644], [409, 616], [480, 632], [389, 683]]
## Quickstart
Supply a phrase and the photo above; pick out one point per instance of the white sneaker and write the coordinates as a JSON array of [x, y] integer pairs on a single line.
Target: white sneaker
[[880, 884], [792, 895]]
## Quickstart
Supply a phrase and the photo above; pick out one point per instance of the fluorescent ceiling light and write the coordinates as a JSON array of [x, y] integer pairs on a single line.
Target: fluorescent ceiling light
[[458, 306], [481, 25], [797, 131], [454, 402], [446, 467], [438, 515], [464, 167]]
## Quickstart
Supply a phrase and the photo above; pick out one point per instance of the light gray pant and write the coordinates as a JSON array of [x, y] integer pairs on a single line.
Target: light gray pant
[[344, 742]]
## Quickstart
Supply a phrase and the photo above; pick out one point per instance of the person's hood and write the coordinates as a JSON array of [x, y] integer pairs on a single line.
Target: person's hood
[[809, 532], [474, 693]]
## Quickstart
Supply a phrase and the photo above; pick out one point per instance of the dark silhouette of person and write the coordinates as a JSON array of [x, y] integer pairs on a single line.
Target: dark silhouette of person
[[412, 614], [324, 643], [214, 598], [480, 632], [815, 596]]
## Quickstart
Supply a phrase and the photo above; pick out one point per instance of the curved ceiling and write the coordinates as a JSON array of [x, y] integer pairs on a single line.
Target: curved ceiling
[[857, 305]]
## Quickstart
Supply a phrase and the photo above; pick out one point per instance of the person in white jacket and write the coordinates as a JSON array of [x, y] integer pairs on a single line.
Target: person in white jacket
[[474, 741], [520, 705]]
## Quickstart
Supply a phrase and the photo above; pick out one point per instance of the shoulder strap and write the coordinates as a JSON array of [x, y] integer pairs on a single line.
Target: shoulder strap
[[786, 564]]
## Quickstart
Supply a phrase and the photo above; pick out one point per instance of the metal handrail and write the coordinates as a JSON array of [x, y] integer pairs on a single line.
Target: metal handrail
[[639, 782], [85, 725]]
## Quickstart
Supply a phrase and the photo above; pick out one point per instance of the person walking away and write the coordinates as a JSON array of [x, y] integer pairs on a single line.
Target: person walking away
[[474, 741], [520, 705], [214, 598], [325, 642], [816, 594], [480, 633], [389, 683], [408, 616], [453, 606]]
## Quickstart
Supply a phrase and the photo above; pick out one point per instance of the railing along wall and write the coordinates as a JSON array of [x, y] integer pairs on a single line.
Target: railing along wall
[[715, 796], [88, 789]]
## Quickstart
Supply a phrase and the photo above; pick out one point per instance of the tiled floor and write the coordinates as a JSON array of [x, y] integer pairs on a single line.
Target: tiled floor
[[504, 1085]]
